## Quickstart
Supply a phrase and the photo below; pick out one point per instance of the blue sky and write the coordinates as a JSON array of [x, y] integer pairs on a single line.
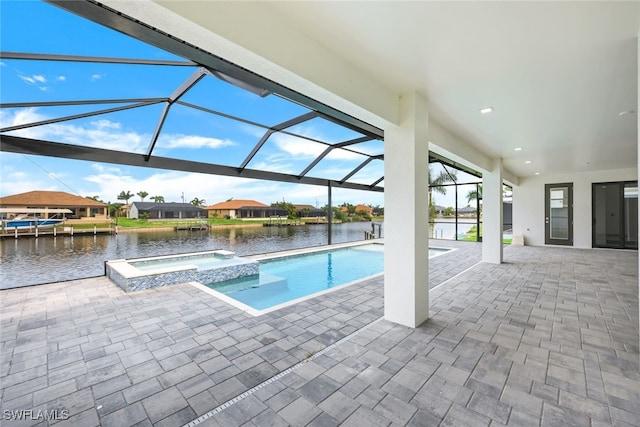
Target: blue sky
[[35, 27]]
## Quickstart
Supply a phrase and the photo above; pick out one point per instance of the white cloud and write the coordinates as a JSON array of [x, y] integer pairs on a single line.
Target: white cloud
[[302, 148], [342, 154], [193, 141], [27, 79], [298, 147], [276, 164], [20, 117], [36, 78], [101, 133], [14, 169], [95, 77], [43, 88], [62, 78], [103, 168], [106, 124], [100, 137]]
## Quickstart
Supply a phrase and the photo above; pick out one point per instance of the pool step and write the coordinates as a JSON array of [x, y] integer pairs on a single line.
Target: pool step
[[264, 281]]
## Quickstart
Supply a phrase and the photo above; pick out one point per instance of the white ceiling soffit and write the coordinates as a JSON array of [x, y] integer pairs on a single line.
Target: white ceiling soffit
[[557, 74]]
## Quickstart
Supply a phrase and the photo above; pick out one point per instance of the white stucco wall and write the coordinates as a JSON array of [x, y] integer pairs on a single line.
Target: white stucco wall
[[528, 203]]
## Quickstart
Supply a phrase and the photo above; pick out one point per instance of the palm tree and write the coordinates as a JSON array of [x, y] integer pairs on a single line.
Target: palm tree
[[114, 208], [158, 199], [198, 202], [436, 185], [475, 194], [142, 195], [125, 196]]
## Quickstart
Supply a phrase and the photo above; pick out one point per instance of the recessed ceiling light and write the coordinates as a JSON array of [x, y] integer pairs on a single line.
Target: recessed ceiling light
[[537, 173], [486, 110], [517, 149], [528, 162]]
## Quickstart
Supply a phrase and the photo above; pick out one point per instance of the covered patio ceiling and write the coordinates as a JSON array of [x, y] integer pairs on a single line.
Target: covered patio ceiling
[[561, 76]]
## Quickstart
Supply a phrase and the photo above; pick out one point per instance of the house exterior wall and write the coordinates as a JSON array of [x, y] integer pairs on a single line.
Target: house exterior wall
[[222, 213], [133, 212], [528, 204], [81, 212], [260, 212]]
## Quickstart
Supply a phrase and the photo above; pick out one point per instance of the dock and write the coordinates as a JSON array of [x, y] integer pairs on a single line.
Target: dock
[[192, 227], [55, 232], [282, 224], [281, 221]]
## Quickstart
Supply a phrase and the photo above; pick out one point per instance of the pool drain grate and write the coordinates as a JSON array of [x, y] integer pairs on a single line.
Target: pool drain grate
[[276, 377]]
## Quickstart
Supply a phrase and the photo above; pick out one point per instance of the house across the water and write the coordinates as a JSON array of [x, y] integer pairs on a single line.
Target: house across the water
[[80, 207], [170, 210], [244, 209]]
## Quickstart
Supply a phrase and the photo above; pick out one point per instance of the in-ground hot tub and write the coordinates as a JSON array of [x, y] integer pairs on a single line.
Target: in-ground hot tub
[[204, 267]]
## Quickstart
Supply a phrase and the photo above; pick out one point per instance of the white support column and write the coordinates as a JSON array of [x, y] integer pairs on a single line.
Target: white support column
[[406, 252], [492, 214]]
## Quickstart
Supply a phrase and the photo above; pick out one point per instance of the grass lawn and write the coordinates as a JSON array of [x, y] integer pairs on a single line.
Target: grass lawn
[[141, 223], [472, 236]]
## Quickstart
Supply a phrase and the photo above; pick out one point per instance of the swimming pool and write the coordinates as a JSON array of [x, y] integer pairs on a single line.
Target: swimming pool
[[290, 278]]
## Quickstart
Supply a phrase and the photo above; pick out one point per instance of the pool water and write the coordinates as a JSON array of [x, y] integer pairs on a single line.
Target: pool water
[[289, 278]]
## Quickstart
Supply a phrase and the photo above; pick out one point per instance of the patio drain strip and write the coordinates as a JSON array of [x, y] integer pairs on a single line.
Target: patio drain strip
[[276, 377]]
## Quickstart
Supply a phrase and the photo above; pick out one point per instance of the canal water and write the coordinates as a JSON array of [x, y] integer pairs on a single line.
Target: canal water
[[28, 261]]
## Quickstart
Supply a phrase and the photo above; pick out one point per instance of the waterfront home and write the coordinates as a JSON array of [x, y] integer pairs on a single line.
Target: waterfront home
[[357, 209], [364, 208], [244, 209], [467, 211], [439, 210], [309, 211], [81, 207], [166, 210]]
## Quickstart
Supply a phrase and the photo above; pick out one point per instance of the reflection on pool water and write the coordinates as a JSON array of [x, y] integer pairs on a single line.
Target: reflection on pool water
[[285, 279]]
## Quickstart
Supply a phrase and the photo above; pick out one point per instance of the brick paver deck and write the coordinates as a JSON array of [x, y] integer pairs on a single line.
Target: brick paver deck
[[550, 337]]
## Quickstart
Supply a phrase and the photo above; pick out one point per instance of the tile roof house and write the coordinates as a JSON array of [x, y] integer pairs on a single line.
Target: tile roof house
[[358, 208], [81, 207], [244, 209], [365, 208]]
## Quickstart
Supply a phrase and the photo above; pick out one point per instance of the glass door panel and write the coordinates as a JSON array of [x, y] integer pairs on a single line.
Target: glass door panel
[[559, 214], [606, 215], [615, 215], [631, 215]]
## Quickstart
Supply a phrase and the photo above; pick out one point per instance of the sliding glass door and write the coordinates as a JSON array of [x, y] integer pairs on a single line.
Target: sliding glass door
[[615, 215]]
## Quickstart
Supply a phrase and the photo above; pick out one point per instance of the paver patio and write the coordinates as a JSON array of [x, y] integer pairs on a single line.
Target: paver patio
[[550, 337]]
